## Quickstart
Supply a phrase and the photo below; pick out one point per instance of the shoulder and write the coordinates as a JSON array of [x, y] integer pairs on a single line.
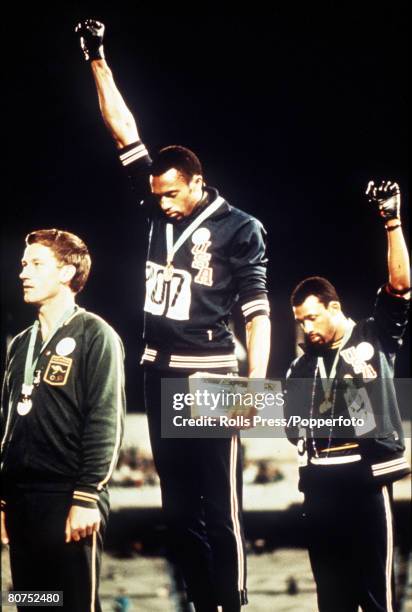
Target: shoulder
[[234, 218], [95, 326], [386, 300], [294, 367], [243, 219], [302, 366], [18, 340], [245, 229]]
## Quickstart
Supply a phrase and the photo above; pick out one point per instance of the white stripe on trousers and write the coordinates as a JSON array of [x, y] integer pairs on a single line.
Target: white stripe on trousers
[[235, 510], [93, 598], [389, 548]]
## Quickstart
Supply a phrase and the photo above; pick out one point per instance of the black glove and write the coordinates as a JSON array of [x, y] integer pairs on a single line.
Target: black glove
[[91, 39], [387, 197]]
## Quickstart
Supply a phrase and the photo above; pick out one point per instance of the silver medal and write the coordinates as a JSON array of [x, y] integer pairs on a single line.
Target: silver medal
[[24, 406]]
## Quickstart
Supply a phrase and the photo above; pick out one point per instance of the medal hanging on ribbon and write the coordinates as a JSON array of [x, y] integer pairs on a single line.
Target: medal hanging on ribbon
[[172, 248], [168, 273], [25, 404], [328, 381]]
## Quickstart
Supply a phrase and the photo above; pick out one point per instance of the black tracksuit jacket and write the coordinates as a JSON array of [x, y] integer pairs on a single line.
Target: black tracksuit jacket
[[381, 450], [221, 263]]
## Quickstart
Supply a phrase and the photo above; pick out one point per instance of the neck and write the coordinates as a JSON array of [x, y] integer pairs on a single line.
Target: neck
[[50, 312], [341, 328], [200, 201]]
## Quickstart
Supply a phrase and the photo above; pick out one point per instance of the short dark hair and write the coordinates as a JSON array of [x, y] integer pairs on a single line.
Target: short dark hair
[[317, 286], [175, 156], [68, 249]]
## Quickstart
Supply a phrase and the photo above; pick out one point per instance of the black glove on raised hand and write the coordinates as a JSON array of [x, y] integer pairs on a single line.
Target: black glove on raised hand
[[387, 197], [91, 34]]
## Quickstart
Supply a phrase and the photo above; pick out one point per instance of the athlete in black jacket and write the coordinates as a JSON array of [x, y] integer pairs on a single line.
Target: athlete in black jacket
[[62, 413], [203, 256], [346, 472]]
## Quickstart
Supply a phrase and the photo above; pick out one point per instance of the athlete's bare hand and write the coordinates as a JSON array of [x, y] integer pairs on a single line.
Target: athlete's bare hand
[[81, 522]]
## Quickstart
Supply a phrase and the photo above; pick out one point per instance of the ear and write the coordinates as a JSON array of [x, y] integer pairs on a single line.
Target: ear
[[197, 180], [334, 307], [67, 272]]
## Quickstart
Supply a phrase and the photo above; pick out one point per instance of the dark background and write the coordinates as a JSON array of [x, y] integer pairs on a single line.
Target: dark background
[[291, 112]]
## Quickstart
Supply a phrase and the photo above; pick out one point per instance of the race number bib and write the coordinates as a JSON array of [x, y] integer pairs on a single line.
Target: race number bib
[[172, 298]]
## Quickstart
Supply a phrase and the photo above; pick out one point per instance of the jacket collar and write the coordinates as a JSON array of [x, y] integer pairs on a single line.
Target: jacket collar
[[323, 349]]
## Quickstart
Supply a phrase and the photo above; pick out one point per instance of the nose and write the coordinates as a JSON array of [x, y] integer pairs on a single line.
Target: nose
[[164, 204], [307, 327], [26, 272]]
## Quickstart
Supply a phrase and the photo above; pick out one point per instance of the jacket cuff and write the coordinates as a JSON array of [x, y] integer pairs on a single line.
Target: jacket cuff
[[254, 305], [397, 294], [132, 153], [85, 496]]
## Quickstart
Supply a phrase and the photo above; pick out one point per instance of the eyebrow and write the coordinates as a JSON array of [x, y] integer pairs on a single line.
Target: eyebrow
[[300, 320], [34, 260], [164, 193]]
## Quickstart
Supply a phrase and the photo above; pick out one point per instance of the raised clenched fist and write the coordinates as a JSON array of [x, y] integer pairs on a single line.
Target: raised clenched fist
[[91, 34], [387, 197]]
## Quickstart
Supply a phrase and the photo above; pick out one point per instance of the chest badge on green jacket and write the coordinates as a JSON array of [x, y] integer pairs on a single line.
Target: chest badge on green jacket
[[58, 370]]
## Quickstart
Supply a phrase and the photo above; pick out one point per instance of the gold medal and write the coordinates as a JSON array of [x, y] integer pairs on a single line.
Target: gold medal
[[168, 273]]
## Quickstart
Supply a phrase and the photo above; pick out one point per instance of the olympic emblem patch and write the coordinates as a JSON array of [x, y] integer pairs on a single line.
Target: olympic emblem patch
[[58, 370], [65, 346]]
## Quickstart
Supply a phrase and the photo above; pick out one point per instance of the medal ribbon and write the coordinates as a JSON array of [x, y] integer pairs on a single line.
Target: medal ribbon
[[173, 248], [327, 381], [30, 364]]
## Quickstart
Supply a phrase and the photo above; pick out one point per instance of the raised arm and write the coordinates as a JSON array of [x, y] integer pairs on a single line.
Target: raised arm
[[387, 198], [116, 115]]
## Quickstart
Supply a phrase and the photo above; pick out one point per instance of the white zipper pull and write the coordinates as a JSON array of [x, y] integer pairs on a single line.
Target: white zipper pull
[[210, 334]]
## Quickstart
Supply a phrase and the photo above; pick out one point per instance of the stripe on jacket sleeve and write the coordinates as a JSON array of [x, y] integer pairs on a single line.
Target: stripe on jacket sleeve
[[133, 154], [93, 574], [119, 411], [389, 548]]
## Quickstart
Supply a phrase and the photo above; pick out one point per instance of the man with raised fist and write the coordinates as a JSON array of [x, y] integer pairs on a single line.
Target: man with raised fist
[[353, 449], [203, 256]]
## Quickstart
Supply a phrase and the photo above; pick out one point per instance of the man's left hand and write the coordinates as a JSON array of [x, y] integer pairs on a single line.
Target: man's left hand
[[81, 522]]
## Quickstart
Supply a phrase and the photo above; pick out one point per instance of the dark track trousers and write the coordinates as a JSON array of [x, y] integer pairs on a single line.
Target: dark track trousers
[[39, 557], [351, 549], [201, 484]]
